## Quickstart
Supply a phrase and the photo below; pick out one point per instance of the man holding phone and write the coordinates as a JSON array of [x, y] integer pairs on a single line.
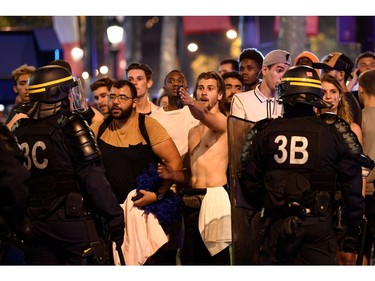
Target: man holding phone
[[364, 61]]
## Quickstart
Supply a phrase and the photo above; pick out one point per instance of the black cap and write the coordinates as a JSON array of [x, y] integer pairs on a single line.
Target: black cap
[[336, 61]]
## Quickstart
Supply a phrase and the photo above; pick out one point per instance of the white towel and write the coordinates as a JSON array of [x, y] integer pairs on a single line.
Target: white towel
[[143, 234], [215, 220]]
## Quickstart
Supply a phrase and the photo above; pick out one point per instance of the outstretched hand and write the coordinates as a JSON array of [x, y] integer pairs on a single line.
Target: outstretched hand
[[185, 97]]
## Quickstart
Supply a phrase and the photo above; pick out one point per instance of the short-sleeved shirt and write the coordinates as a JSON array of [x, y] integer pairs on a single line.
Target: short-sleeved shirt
[[254, 106], [126, 154]]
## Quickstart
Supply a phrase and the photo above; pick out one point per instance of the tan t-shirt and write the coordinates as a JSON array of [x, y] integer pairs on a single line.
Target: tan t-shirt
[[132, 135]]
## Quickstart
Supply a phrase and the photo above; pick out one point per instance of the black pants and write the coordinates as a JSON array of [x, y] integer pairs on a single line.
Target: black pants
[[312, 243], [58, 240], [167, 254], [194, 251]]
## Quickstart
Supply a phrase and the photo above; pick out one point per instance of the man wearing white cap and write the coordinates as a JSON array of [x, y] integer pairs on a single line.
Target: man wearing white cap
[[262, 102]]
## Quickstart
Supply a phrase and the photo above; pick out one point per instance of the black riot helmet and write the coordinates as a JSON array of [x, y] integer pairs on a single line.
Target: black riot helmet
[[50, 84], [301, 84]]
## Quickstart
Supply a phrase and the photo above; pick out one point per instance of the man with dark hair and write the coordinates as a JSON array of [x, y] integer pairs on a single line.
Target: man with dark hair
[[233, 85], [100, 89], [250, 64], [177, 119], [131, 142], [262, 102], [228, 65], [140, 75]]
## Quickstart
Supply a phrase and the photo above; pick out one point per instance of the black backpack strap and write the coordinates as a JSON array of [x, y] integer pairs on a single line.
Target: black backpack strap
[[142, 127], [104, 126]]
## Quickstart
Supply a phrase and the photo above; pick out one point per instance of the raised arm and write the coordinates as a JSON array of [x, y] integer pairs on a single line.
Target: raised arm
[[214, 120]]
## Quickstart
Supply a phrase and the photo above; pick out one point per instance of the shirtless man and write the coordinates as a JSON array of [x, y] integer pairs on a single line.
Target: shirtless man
[[207, 201]]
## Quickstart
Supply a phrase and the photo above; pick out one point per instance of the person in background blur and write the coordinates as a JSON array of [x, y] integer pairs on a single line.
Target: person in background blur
[[307, 58], [228, 65], [100, 89], [140, 75], [250, 63], [162, 101], [364, 61], [233, 85], [20, 78]]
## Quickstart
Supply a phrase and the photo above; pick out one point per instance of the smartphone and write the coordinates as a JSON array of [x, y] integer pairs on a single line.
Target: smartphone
[[178, 97], [137, 196]]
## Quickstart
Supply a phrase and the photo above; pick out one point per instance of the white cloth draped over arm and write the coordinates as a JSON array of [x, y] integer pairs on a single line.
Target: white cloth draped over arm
[[143, 234]]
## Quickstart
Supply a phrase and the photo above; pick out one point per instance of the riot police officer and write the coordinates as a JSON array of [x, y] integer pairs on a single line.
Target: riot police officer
[[13, 195], [292, 167], [68, 187]]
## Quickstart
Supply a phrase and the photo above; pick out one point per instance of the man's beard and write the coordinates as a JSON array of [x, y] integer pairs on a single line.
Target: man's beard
[[125, 114], [227, 102], [227, 106]]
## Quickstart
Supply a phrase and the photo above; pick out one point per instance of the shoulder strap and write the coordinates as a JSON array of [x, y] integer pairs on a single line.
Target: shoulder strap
[[142, 127], [104, 126]]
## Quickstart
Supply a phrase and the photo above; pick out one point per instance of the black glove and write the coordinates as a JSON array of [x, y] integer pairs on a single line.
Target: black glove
[[352, 240], [116, 228], [88, 115]]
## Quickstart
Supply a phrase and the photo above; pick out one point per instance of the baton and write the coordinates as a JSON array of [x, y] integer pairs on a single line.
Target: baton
[[363, 241], [120, 254]]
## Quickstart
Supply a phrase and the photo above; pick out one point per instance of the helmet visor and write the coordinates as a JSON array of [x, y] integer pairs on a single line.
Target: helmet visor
[[77, 96]]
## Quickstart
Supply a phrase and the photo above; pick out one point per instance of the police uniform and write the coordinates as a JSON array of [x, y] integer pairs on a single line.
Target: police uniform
[[67, 184], [292, 167], [13, 191], [13, 195]]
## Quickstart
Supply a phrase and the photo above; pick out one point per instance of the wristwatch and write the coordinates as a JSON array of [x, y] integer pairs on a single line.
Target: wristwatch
[[159, 195]]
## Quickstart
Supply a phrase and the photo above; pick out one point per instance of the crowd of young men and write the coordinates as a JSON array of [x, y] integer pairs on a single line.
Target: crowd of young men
[[137, 168]]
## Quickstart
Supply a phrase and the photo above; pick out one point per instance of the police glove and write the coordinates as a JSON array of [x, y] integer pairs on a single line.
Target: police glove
[[116, 228], [352, 240]]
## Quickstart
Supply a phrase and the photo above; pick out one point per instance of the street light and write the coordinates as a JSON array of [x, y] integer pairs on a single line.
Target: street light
[[115, 34]]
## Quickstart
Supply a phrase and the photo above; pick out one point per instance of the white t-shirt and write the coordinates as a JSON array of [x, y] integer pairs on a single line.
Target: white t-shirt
[[254, 106], [177, 123]]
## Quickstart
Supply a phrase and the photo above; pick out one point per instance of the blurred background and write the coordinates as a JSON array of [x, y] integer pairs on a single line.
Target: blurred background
[[98, 46]]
